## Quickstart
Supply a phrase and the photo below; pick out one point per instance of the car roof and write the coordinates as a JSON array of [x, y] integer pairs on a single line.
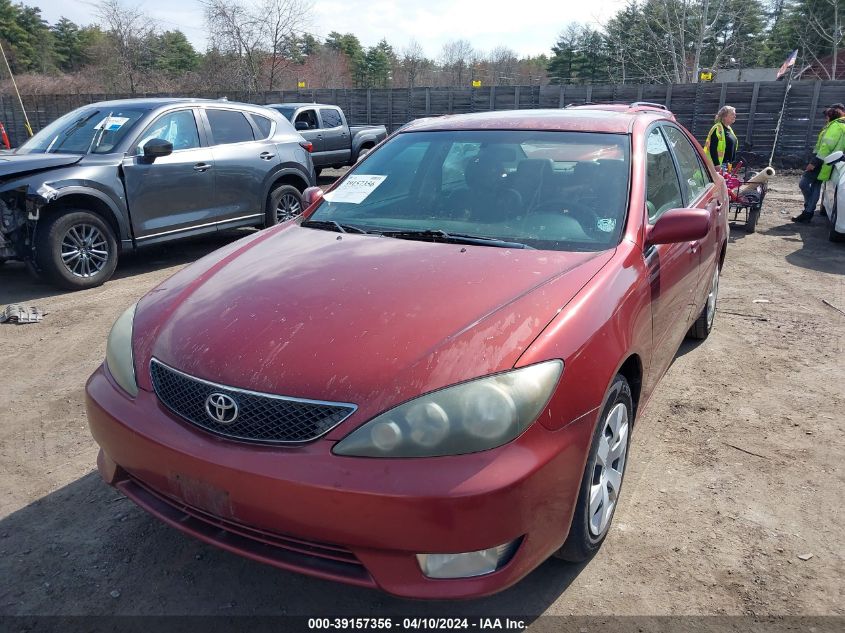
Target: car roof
[[299, 105], [615, 118], [151, 103]]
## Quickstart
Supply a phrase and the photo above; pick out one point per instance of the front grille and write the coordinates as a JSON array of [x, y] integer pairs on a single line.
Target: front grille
[[263, 418]]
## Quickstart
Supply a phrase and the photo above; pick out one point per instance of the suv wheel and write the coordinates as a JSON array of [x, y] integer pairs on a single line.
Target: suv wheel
[[76, 249], [284, 203]]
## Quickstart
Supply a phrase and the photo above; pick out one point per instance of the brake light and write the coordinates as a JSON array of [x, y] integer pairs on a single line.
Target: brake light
[[308, 146]]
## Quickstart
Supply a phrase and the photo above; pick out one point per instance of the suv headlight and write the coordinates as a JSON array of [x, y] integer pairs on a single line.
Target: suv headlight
[[119, 358], [466, 418]]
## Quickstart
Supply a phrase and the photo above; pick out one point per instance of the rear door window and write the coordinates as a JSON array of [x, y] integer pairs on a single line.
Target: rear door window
[[663, 192], [228, 126], [331, 117]]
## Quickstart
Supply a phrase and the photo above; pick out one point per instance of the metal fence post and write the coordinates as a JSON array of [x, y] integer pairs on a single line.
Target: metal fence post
[[668, 103], [723, 96], [516, 98], [427, 101], [369, 106]]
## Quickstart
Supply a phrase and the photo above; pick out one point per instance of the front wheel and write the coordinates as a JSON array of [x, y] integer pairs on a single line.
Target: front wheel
[[284, 203], [603, 474], [76, 249], [704, 323]]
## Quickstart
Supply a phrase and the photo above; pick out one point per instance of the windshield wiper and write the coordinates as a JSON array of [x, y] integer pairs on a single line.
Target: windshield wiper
[[67, 133], [331, 225], [454, 238]]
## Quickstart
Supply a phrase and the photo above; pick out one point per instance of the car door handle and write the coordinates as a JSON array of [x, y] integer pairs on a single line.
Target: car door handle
[[202, 167], [266, 155]]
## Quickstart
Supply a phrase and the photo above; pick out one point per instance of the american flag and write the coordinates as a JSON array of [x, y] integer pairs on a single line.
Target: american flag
[[789, 63]]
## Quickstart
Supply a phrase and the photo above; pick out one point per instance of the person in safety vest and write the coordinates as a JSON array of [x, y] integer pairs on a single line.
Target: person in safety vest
[[831, 139], [721, 143]]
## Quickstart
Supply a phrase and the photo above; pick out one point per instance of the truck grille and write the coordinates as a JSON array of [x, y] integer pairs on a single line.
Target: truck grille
[[261, 418]]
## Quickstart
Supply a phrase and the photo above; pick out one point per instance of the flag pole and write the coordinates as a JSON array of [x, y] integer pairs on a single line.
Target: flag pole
[[780, 118], [17, 92]]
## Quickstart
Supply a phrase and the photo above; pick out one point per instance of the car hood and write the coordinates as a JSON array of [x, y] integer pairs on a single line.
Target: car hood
[[19, 164], [353, 318]]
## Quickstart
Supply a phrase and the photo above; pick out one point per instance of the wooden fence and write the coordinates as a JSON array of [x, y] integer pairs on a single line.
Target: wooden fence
[[758, 106]]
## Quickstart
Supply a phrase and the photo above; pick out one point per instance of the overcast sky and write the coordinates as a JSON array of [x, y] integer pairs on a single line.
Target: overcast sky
[[529, 28]]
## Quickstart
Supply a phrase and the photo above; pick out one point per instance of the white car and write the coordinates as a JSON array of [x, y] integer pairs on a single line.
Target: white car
[[833, 191]]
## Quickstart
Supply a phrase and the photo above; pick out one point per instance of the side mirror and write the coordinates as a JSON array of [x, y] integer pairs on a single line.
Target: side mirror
[[834, 157], [301, 125], [311, 196], [679, 225], [156, 148]]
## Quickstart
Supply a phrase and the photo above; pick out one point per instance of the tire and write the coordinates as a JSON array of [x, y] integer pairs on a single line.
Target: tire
[[751, 222], [76, 249], [704, 323], [611, 439], [284, 203], [833, 235]]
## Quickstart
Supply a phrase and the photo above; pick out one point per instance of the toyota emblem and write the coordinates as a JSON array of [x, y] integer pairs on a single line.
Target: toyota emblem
[[221, 408]]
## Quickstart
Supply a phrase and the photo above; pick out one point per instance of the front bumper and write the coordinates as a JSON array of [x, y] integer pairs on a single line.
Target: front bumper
[[354, 520]]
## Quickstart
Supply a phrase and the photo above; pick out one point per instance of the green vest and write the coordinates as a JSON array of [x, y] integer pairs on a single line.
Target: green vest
[[721, 144], [831, 139]]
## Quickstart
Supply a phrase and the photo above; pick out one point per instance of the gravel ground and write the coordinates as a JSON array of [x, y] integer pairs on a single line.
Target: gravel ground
[[732, 503]]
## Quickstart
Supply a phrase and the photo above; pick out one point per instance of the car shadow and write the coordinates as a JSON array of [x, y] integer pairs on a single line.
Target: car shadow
[[816, 251], [17, 285], [86, 549]]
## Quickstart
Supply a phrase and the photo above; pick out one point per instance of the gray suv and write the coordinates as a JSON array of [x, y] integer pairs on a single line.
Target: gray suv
[[120, 175]]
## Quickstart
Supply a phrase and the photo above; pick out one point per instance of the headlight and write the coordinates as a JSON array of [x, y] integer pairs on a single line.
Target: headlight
[[467, 418], [119, 358]]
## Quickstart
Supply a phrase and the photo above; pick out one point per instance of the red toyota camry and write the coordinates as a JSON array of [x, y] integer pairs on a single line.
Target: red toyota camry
[[427, 383]]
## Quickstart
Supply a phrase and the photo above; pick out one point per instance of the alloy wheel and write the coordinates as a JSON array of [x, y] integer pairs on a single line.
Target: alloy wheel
[[85, 250], [289, 207], [609, 469]]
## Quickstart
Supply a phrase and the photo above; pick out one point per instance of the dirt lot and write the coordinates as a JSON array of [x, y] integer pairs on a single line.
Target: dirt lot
[[736, 471]]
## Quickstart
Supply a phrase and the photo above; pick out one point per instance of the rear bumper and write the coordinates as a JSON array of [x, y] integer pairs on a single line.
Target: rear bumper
[[354, 520]]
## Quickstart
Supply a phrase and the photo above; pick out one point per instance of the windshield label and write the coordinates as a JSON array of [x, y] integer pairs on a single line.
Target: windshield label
[[355, 189], [606, 224], [111, 123]]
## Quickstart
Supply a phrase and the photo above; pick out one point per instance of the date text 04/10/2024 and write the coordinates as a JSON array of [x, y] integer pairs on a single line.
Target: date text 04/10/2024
[[416, 624]]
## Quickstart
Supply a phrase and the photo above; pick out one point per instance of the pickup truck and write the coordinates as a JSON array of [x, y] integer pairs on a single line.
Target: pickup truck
[[335, 142], [115, 176]]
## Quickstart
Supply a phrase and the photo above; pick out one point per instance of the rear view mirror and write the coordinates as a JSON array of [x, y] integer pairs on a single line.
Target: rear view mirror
[[679, 225], [834, 157], [301, 125], [157, 148]]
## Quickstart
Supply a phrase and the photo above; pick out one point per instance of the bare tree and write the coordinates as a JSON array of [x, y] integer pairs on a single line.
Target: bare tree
[[129, 29], [828, 31], [413, 59], [457, 58], [502, 63], [283, 22], [237, 33]]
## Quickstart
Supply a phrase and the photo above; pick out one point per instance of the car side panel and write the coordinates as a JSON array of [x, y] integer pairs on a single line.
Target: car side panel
[[607, 322]]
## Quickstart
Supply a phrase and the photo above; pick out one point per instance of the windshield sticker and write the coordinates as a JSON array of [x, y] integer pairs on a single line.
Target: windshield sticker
[[355, 189], [606, 224], [111, 123]]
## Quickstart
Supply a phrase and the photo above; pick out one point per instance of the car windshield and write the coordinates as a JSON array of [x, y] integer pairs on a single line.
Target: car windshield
[[285, 111], [545, 190], [84, 131]]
